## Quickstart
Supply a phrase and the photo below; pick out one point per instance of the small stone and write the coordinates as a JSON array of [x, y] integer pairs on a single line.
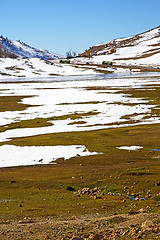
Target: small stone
[[132, 212], [147, 224], [95, 237], [13, 181], [76, 238], [142, 210], [81, 164], [97, 197], [157, 184]]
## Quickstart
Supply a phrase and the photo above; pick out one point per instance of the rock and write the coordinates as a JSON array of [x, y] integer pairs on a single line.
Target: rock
[[132, 212], [148, 208], [95, 237], [142, 210], [136, 199], [97, 197], [69, 188], [147, 224], [92, 192], [157, 184], [13, 181], [76, 238]]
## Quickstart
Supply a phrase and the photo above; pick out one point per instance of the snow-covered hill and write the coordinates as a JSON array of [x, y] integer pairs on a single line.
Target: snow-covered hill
[[141, 49], [128, 54], [19, 49], [19, 60], [36, 68]]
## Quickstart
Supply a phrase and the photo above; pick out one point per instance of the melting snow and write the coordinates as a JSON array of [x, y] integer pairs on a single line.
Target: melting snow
[[21, 156], [56, 99], [130, 148]]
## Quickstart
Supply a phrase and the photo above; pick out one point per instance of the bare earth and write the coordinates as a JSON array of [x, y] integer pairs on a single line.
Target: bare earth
[[134, 225]]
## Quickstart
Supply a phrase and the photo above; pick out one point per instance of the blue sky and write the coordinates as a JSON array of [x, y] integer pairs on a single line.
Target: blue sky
[[61, 25]]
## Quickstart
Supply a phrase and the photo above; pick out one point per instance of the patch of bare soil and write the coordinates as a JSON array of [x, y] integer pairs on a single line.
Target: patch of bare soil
[[134, 225]]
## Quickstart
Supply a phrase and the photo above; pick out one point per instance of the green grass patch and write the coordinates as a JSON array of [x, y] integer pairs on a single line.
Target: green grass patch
[[74, 116], [36, 191], [12, 103], [77, 122], [31, 123]]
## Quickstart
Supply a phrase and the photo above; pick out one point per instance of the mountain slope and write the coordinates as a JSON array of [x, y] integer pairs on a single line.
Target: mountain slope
[[19, 60], [15, 49], [143, 48], [37, 68]]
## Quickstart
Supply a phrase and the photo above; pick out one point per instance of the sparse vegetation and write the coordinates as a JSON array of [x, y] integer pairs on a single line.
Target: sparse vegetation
[[70, 54], [106, 63], [127, 182], [64, 61]]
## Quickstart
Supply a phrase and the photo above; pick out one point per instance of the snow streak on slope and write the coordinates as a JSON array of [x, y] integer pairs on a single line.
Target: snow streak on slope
[[139, 49]]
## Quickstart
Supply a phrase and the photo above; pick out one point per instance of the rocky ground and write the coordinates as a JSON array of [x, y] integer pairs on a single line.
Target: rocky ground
[[140, 224]]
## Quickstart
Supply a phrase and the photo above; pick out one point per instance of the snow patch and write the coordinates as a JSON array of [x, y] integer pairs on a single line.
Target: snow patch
[[20, 156], [130, 148]]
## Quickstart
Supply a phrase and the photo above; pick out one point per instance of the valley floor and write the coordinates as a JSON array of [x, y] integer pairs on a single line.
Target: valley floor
[[109, 186]]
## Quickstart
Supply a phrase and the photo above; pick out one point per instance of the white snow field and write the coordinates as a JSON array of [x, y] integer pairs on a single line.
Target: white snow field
[[20, 156], [36, 67], [98, 104]]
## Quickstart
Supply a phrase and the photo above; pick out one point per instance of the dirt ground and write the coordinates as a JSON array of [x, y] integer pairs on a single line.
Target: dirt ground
[[134, 225]]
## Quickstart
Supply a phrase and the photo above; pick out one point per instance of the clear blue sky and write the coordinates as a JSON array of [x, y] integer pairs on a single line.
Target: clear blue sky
[[61, 25]]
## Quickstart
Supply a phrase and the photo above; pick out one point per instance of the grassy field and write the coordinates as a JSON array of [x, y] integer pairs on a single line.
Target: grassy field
[[43, 190], [119, 175]]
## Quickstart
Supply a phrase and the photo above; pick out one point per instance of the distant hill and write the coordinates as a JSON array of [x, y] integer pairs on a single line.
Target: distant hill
[[142, 48], [14, 49]]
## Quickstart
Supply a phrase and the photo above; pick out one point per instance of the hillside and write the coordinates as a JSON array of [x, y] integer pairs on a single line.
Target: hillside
[[19, 60], [143, 48], [136, 53], [14, 49]]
